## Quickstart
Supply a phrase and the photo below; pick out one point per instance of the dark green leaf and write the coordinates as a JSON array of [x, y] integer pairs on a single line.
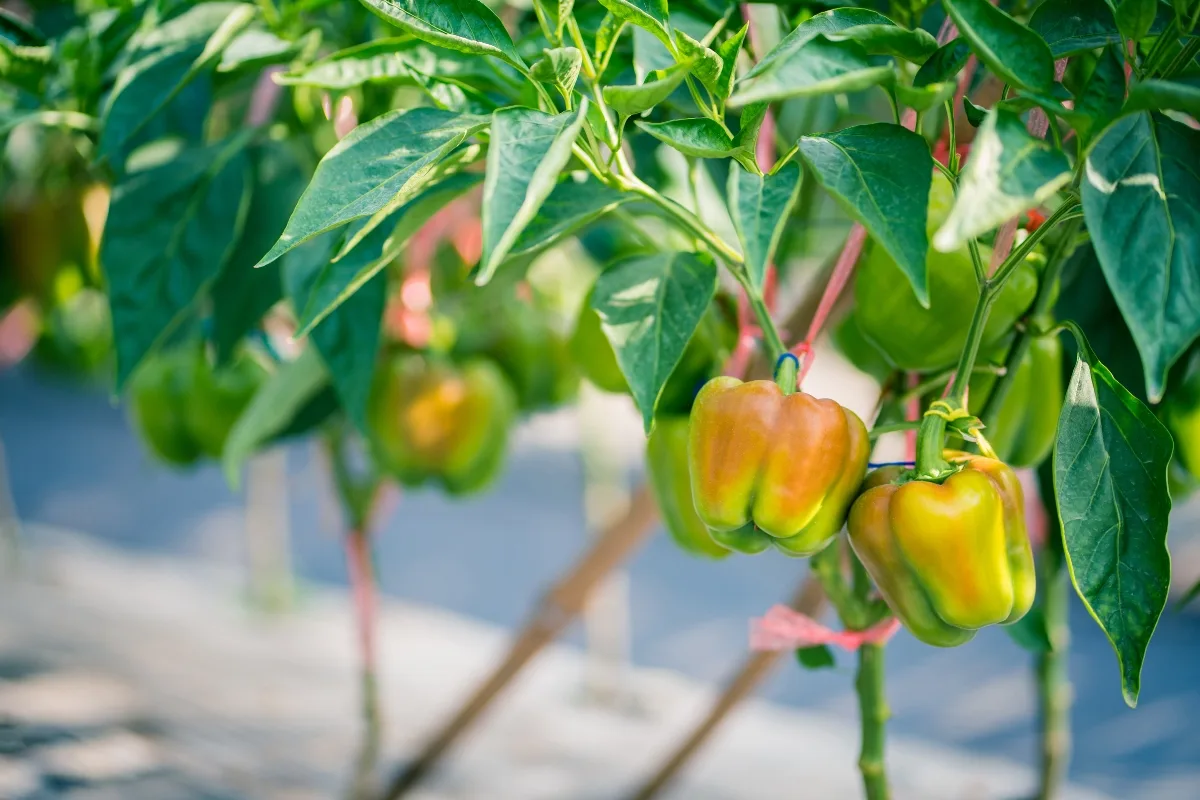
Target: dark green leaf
[[18, 31], [344, 276], [1110, 482], [630, 100], [527, 151], [1102, 96], [750, 125], [25, 67], [468, 26], [760, 206], [1180, 94], [975, 114], [881, 173], [170, 230], [699, 137], [148, 85], [272, 410], [379, 166], [945, 63], [889, 39], [650, 15], [1141, 198], [569, 207], [1134, 17], [837, 24], [1009, 171], [923, 98], [559, 67], [1072, 26], [348, 336], [649, 307], [818, 656], [728, 51], [241, 294], [1008, 48]]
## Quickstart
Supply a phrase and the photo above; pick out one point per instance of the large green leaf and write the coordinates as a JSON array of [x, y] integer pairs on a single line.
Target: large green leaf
[[1072, 26], [944, 64], [569, 207], [19, 32], [341, 278], [1141, 200], [729, 50], [649, 306], [147, 86], [170, 230], [380, 61], [527, 151], [839, 24], [274, 407], [881, 173], [760, 206], [241, 294], [1179, 94], [1110, 481], [698, 137], [650, 15], [1135, 17], [821, 66], [630, 100], [378, 167], [348, 336], [1101, 98], [468, 26], [1009, 49], [1009, 171]]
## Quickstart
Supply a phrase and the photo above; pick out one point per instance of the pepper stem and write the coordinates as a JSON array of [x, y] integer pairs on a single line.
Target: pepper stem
[[874, 714]]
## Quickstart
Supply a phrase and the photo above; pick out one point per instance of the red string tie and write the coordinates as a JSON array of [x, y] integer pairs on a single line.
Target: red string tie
[[783, 628]]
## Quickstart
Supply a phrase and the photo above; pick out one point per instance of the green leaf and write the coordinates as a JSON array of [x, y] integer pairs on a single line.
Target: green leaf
[[749, 126], [241, 295], [975, 114], [343, 277], [881, 173], [1110, 481], [1134, 17], [273, 408], [1180, 94], [698, 137], [527, 151], [18, 31], [836, 24], [706, 64], [381, 61], [820, 67], [945, 63], [348, 336], [145, 88], [885, 37], [1008, 171], [467, 26], [378, 167], [555, 13], [649, 55], [1009, 49], [923, 98], [559, 67], [1030, 631], [1141, 198], [1072, 26], [1100, 101], [728, 50], [818, 656], [650, 15], [25, 67], [649, 306], [760, 206], [630, 100], [258, 48], [169, 231], [606, 38], [569, 207]]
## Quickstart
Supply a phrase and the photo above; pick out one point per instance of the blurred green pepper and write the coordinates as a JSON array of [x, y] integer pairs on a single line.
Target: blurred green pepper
[[667, 469]]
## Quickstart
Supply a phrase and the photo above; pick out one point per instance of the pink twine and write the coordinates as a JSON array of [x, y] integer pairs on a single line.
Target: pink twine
[[783, 628]]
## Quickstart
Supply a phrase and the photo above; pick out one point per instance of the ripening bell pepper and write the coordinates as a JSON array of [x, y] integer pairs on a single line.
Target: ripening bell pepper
[[920, 339], [439, 422], [1023, 430], [769, 468], [158, 397], [948, 558], [667, 469]]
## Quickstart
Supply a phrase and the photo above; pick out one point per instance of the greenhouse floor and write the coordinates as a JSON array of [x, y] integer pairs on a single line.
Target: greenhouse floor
[[137, 677]]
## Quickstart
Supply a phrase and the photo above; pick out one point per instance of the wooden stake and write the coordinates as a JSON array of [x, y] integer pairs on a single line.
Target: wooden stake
[[809, 599], [554, 612]]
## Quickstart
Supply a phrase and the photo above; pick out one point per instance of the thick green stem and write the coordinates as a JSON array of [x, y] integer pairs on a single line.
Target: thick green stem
[[874, 714], [1054, 686], [686, 219], [775, 345]]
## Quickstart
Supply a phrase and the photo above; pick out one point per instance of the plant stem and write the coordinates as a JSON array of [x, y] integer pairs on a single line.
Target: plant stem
[[1054, 687], [895, 427], [689, 221], [874, 714]]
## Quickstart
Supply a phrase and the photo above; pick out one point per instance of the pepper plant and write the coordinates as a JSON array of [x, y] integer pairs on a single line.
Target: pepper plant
[[1007, 177]]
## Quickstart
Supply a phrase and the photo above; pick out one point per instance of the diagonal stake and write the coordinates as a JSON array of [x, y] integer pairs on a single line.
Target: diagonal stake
[[808, 599], [553, 613]]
